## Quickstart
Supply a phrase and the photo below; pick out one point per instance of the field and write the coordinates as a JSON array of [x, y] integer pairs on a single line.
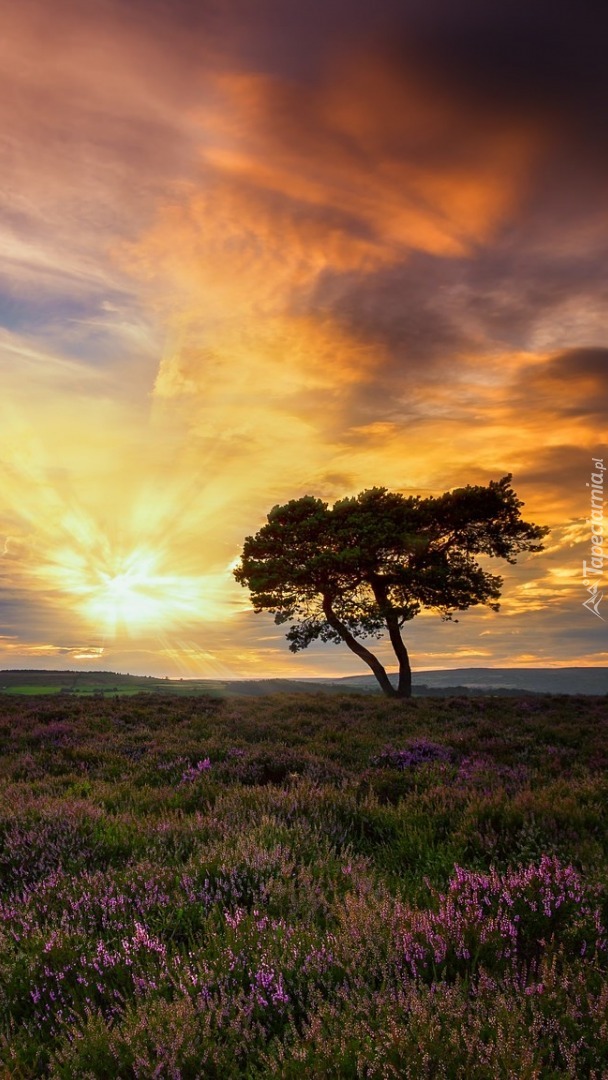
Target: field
[[303, 886], [111, 683]]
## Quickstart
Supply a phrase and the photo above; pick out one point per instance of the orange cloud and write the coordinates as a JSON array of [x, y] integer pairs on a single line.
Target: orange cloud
[[410, 166]]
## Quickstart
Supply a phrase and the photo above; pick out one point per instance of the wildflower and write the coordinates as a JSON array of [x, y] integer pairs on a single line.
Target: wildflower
[[420, 752], [196, 771], [268, 985]]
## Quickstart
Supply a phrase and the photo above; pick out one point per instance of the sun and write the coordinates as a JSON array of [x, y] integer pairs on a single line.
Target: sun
[[135, 593], [136, 597]]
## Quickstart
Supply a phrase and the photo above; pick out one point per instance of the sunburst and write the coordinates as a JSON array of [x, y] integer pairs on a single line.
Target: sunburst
[[134, 593]]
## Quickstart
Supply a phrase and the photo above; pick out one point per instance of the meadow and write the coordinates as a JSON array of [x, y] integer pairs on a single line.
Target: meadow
[[303, 886]]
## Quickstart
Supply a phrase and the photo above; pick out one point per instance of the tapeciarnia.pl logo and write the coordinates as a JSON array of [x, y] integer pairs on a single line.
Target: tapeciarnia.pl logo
[[593, 570]]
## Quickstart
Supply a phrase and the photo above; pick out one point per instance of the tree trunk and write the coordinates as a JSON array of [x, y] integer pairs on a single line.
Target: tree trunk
[[404, 688], [360, 650]]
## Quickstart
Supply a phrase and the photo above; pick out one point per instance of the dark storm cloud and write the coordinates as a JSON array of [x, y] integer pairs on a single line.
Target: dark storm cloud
[[583, 373], [542, 59], [477, 69], [573, 383], [430, 312], [553, 479], [407, 308], [562, 467]]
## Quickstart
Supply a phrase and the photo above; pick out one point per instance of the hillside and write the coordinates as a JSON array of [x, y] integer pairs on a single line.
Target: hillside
[[569, 680]]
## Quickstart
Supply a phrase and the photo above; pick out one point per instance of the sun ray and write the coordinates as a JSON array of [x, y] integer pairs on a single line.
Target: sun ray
[[133, 593]]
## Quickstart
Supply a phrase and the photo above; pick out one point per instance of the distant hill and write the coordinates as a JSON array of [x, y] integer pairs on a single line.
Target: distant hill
[[566, 680], [570, 680]]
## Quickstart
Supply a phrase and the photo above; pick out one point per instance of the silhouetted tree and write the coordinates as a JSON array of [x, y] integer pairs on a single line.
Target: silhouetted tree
[[371, 563]]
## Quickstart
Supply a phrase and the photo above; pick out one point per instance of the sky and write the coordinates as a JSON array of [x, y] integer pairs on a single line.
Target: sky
[[257, 249]]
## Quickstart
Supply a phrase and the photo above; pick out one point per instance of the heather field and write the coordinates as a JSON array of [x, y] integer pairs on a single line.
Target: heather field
[[303, 886]]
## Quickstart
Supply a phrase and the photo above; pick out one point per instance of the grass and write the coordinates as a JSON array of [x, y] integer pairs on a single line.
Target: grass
[[338, 887]]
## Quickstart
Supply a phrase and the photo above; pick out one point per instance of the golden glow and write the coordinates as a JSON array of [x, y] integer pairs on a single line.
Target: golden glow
[[245, 292], [134, 594]]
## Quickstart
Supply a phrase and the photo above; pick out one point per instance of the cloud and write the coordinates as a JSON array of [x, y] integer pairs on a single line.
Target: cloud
[[254, 251], [410, 165], [575, 381]]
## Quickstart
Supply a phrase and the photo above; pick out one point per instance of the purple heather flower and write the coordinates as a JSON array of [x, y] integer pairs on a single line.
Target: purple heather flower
[[195, 771], [420, 752]]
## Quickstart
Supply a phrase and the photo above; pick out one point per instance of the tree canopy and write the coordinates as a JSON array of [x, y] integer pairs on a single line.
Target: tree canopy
[[372, 562]]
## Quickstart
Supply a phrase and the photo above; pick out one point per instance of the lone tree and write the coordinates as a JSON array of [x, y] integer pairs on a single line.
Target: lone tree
[[368, 565]]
